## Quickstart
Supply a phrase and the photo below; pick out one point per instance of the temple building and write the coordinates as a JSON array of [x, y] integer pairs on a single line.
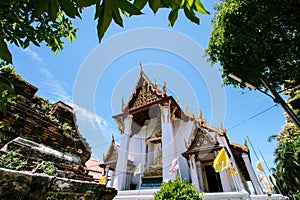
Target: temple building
[[157, 134]]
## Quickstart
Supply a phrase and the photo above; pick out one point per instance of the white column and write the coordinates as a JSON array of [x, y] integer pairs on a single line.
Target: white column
[[112, 178], [252, 175], [225, 181], [143, 154], [194, 174], [106, 174], [168, 144], [236, 179], [121, 168], [200, 176]]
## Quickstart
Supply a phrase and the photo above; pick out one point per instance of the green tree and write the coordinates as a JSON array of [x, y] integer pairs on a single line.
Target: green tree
[[35, 21], [177, 189], [254, 39], [287, 154]]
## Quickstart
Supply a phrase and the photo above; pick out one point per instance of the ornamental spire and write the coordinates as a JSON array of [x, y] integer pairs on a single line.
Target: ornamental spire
[[141, 67]]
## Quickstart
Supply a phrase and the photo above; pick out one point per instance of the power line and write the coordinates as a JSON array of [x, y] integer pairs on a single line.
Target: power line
[[252, 117]]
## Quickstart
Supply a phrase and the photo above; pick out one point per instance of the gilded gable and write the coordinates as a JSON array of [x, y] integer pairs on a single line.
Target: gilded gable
[[145, 92]]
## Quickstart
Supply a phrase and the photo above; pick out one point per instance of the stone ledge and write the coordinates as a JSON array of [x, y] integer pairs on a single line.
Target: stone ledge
[[26, 185]]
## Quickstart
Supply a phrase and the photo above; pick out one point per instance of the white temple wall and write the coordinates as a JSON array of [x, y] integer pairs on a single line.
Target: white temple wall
[[182, 131]]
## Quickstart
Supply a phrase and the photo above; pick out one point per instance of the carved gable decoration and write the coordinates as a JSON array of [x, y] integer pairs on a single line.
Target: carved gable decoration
[[200, 139], [145, 92], [145, 95]]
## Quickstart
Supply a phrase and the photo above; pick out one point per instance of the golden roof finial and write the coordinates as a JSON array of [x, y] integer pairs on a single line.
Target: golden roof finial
[[200, 115]]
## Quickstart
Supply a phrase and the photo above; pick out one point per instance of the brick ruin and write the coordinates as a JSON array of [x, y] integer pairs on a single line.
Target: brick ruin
[[42, 141]]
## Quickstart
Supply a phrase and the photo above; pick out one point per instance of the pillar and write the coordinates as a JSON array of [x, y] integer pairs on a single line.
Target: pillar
[[236, 180], [200, 175], [194, 174], [106, 174], [253, 177], [121, 168], [112, 179], [168, 144]]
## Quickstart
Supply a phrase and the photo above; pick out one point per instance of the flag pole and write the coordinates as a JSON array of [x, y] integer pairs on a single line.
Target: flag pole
[[258, 158], [268, 169]]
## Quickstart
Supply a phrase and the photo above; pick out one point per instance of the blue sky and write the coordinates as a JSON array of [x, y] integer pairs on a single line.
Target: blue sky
[[57, 79]]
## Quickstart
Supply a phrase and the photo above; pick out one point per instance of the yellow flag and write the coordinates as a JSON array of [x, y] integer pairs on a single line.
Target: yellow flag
[[232, 171], [102, 180], [259, 167], [221, 162]]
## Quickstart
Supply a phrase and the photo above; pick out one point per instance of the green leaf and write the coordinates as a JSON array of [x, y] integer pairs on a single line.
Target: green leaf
[[104, 19], [198, 6], [154, 5], [35, 43], [40, 6], [69, 8], [176, 4], [140, 4], [53, 9], [172, 17], [98, 11], [26, 43], [116, 15], [86, 3], [128, 7], [189, 13], [4, 52]]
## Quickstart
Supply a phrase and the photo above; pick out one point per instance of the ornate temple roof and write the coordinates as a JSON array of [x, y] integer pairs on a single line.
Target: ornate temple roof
[[112, 152], [144, 92]]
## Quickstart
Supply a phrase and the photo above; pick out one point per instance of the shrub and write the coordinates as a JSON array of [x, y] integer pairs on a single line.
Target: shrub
[[178, 190]]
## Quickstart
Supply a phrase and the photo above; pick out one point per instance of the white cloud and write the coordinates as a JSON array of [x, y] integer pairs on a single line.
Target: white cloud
[[85, 116], [55, 87], [34, 55], [95, 129]]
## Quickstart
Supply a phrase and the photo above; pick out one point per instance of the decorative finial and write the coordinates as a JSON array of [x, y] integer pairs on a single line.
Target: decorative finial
[[123, 105], [112, 137], [245, 143], [141, 67], [200, 115], [164, 87], [186, 110], [222, 129]]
